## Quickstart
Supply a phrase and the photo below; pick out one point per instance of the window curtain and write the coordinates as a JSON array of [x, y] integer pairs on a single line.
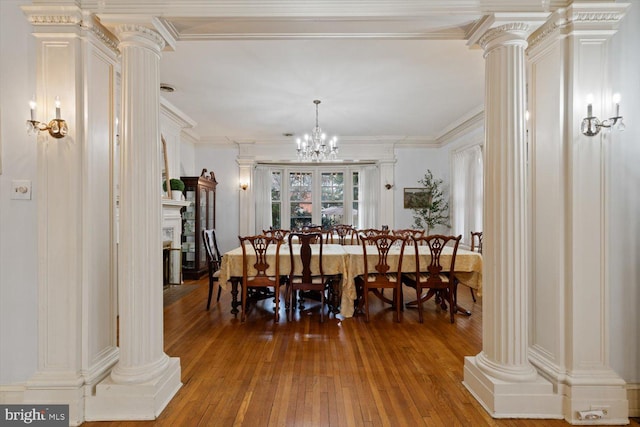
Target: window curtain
[[369, 191], [467, 172], [262, 192]]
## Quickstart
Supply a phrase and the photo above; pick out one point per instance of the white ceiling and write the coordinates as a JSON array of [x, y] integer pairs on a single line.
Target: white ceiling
[[260, 89], [249, 70]]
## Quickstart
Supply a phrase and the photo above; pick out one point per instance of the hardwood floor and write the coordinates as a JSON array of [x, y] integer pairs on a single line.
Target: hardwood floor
[[303, 373]]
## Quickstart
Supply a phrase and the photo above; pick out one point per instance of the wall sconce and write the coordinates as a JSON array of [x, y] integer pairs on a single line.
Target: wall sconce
[[388, 186], [57, 127], [591, 125], [244, 185]]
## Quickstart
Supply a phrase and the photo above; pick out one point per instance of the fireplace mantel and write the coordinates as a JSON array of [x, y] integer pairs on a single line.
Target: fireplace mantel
[[172, 232]]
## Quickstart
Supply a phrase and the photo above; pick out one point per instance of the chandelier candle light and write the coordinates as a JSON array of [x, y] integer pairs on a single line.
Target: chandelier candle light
[[315, 148]]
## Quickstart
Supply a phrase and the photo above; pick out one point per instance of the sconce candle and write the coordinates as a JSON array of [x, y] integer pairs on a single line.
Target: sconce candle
[[32, 107], [57, 107], [616, 100], [590, 105]]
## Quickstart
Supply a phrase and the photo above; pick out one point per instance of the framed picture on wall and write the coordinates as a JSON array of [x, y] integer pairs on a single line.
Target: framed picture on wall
[[415, 198]]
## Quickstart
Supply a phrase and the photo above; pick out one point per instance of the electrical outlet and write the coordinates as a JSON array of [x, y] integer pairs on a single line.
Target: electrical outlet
[[604, 408], [21, 189]]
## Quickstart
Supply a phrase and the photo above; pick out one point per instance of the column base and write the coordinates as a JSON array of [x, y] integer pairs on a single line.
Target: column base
[[57, 388], [145, 401], [606, 403], [502, 399]]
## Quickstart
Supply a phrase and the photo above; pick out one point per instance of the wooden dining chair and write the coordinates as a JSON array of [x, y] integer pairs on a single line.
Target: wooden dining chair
[[441, 284], [343, 234], [407, 233], [214, 260], [301, 278], [316, 229], [381, 275], [255, 248], [371, 232], [476, 246], [277, 233]]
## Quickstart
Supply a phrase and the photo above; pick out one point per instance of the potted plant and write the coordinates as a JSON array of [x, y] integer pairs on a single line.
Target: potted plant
[[430, 207], [177, 187]]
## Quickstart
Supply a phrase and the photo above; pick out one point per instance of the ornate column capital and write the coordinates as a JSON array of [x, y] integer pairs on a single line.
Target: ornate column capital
[[139, 35], [502, 29], [512, 33]]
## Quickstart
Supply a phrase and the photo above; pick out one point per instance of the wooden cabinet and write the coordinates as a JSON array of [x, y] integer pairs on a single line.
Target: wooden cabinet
[[199, 215]]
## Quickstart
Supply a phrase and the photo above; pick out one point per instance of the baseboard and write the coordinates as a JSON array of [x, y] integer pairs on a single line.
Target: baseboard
[[633, 395], [12, 394]]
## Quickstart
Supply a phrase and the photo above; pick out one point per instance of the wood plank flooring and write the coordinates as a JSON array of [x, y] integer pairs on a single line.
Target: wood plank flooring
[[344, 372]]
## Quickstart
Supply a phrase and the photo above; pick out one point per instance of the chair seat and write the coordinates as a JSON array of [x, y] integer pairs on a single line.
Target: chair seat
[[314, 280], [423, 277], [392, 277]]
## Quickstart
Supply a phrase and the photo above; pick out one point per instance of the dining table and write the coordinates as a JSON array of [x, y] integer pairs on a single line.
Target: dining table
[[347, 262]]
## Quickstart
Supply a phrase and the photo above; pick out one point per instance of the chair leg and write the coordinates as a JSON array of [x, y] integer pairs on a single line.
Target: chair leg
[[365, 296], [452, 304], [397, 303], [243, 303], [219, 292], [210, 293], [276, 292], [419, 300], [291, 301], [473, 296]]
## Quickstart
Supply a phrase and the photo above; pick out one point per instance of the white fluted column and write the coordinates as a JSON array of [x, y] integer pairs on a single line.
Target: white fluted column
[[500, 376], [145, 378], [140, 252]]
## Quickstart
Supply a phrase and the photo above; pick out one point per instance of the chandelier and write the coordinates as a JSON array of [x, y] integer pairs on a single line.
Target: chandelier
[[315, 147]]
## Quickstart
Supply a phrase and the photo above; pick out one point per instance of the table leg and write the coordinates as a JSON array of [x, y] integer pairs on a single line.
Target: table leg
[[459, 309], [234, 297], [441, 302], [335, 294]]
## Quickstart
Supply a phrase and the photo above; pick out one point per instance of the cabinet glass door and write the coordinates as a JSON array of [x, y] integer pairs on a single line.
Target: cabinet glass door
[[202, 222], [211, 223], [189, 230]]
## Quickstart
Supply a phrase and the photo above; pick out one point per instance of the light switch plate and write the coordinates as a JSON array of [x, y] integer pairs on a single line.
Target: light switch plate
[[21, 189]]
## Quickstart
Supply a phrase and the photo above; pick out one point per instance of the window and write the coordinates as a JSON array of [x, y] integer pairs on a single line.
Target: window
[[307, 195], [301, 203], [332, 199], [355, 197], [467, 173], [276, 198]]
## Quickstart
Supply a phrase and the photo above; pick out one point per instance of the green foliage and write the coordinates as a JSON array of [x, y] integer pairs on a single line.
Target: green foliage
[[176, 184], [431, 206]]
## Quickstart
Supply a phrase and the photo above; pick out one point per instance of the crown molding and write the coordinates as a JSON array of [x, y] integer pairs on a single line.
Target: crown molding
[[176, 115], [317, 8], [53, 15], [467, 123], [591, 17]]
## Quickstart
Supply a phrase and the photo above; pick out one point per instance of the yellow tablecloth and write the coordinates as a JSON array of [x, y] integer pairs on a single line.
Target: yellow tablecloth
[[348, 261]]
